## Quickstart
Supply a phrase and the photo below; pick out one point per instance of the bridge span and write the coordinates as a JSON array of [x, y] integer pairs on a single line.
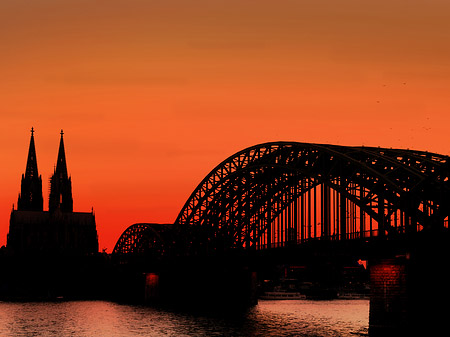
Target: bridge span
[[297, 200]]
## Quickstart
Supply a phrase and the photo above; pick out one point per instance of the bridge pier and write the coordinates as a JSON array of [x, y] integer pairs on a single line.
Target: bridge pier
[[151, 291], [388, 296], [411, 293]]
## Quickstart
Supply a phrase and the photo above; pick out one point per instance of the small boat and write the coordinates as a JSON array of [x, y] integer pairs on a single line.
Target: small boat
[[352, 296], [282, 295]]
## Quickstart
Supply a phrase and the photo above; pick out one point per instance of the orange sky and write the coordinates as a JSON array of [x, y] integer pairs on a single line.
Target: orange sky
[[153, 94]]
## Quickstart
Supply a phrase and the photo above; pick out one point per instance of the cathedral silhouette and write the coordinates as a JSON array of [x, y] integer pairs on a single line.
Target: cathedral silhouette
[[58, 230]]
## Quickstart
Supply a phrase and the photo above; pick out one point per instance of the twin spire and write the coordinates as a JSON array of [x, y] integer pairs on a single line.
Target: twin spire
[[30, 198], [61, 166], [31, 169], [61, 183]]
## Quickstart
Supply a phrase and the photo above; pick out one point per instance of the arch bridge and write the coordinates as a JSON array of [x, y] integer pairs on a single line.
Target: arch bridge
[[288, 193]]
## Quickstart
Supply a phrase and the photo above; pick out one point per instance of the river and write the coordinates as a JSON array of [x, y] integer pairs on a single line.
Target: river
[[101, 318]]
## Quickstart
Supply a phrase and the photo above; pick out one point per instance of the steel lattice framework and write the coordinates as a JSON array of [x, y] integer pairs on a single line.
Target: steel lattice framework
[[145, 239], [287, 192], [283, 193]]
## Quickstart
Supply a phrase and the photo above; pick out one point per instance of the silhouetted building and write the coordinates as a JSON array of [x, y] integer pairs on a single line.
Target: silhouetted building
[[59, 230], [60, 184], [30, 197]]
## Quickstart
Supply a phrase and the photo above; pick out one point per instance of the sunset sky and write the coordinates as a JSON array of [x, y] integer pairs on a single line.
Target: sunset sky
[[152, 95]]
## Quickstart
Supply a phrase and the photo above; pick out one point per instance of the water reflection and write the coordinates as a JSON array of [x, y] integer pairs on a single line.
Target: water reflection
[[268, 318]]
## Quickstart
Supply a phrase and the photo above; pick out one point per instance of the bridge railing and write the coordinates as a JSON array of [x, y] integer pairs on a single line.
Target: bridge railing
[[349, 236]]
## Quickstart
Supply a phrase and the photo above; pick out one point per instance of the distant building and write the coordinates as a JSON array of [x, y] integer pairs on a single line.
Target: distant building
[[58, 230]]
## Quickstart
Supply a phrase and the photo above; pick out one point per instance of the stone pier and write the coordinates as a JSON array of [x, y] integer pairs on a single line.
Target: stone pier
[[388, 296], [410, 293]]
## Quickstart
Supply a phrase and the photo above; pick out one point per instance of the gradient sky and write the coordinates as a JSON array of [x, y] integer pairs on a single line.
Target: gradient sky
[[152, 95]]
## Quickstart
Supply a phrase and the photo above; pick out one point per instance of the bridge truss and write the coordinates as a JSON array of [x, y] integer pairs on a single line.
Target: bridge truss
[[286, 193], [145, 239], [282, 193]]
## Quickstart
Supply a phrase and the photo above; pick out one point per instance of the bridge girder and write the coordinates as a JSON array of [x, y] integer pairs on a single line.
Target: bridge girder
[[236, 194], [147, 239], [315, 191]]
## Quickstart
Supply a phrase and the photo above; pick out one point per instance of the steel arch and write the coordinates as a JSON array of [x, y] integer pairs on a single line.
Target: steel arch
[[145, 239], [246, 187]]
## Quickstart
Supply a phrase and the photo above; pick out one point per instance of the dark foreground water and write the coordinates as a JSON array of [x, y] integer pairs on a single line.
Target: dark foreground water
[[101, 318]]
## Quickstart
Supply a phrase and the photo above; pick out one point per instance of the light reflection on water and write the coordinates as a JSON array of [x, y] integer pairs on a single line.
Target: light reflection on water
[[101, 318]]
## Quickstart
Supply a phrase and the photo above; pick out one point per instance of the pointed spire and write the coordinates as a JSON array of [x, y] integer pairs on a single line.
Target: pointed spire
[[30, 197], [61, 165], [60, 183], [31, 169]]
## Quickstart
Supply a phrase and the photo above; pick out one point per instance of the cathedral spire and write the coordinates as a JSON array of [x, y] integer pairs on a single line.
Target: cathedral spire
[[30, 197], [31, 169], [60, 183], [61, 165]]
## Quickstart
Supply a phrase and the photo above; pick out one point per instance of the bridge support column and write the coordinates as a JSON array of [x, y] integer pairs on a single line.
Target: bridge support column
[[151, 294], [410, 294], [388, 297]]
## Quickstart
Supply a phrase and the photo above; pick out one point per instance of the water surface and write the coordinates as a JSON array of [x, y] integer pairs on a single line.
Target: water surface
[[102, 318]]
